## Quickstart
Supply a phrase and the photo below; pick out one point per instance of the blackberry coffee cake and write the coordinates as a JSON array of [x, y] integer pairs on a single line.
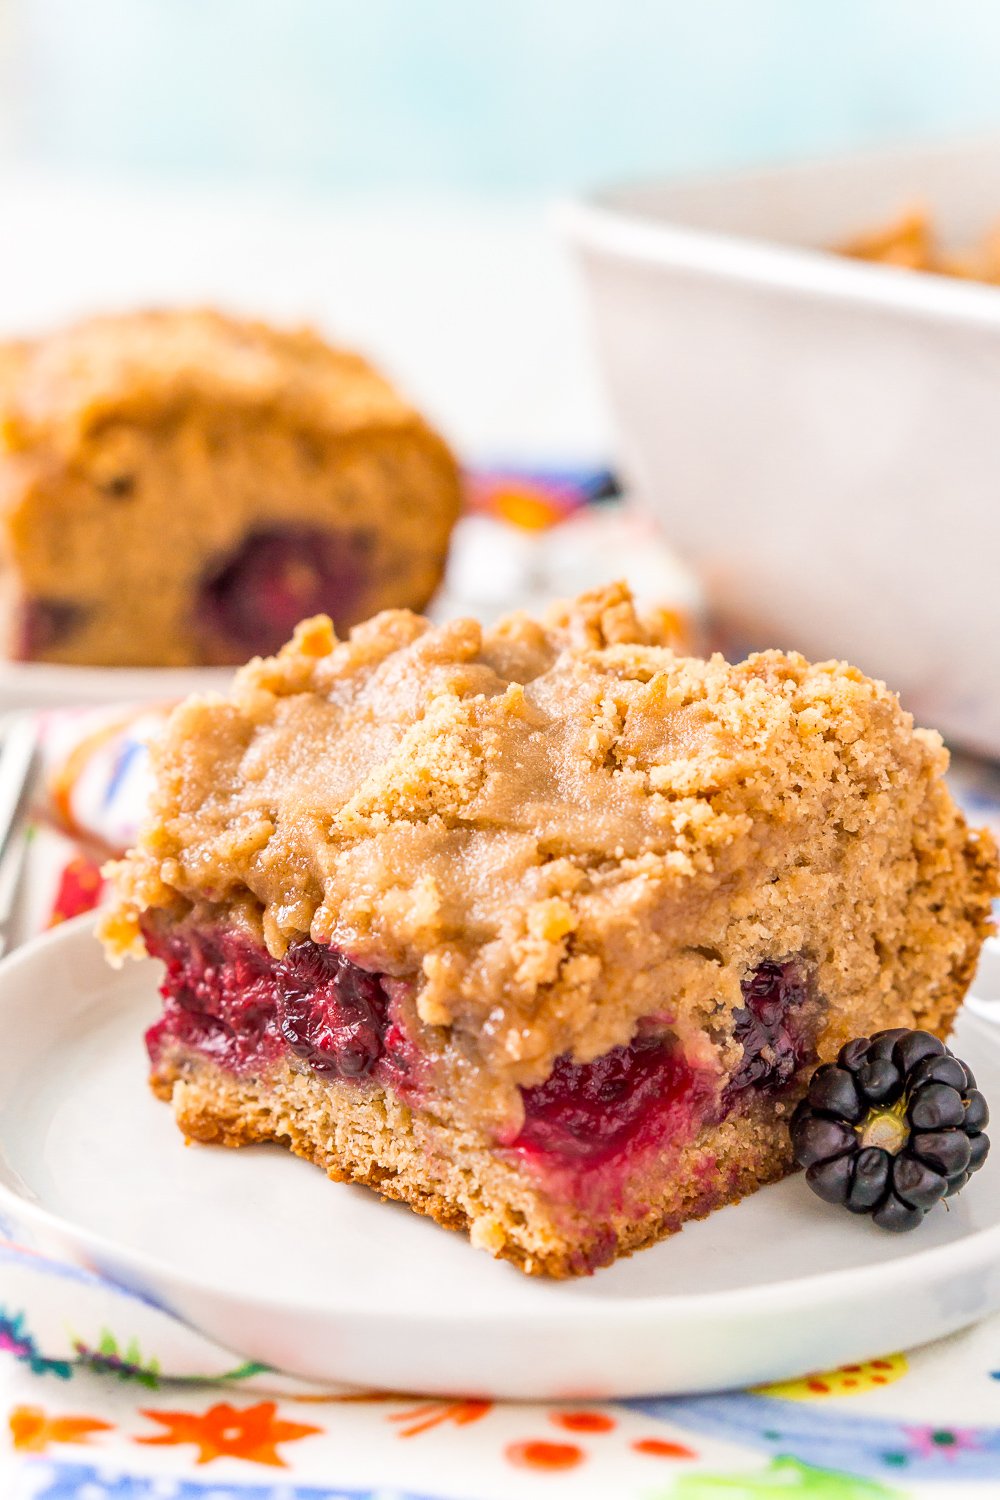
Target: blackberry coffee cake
[[541, 929], [182, 487]]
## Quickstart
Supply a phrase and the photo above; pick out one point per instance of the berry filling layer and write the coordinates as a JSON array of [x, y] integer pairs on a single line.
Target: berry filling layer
[[46, 623], [591, 1124], [584, 1129], [776, 1029], [588, 1113], [278, 577], [232, 1002]]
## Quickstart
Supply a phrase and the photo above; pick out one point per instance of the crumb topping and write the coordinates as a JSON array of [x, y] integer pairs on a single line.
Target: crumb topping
[[54, 389]]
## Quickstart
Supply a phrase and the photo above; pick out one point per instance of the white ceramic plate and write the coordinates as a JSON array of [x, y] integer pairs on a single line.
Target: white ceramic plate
[[49, 685], [261, 1252]]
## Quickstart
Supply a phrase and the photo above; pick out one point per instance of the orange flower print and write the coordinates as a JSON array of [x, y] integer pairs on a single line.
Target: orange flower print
[[252, 1433], [32, 1429], [433, 1413]]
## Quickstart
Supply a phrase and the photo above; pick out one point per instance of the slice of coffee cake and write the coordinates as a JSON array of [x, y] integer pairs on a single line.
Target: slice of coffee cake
[[540, 929], [181, 487]]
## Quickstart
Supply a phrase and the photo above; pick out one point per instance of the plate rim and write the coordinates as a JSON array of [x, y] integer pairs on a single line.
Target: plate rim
[[958, 1258], [53, 685]]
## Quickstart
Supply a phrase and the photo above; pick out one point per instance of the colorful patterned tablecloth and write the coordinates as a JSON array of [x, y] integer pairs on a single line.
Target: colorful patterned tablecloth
[[105, 1397]]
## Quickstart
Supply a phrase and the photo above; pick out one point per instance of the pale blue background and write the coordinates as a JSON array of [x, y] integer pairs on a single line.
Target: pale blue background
[[515, 96]]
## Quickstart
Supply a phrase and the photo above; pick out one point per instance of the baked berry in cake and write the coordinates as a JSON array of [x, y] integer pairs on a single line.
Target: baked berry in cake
[[183, 487], [541, 929]]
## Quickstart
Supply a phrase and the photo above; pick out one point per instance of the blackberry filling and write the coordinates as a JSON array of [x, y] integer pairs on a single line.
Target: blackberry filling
[[330, 1013], [228, 999], [775, 1027], [587, 1113], [46, 623], [649, 1092], [278, 577], [231, 1001]]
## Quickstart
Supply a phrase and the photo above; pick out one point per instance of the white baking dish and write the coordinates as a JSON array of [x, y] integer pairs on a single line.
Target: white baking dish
[[820, 436]]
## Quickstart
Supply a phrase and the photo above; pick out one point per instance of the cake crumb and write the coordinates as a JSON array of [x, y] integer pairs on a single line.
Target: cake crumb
[[486, 1233]]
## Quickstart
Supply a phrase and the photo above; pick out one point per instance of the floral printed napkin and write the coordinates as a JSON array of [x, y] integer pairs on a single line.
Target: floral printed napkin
[[106, 1397]]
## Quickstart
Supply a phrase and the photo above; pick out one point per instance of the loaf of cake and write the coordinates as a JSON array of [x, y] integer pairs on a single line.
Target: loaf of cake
[[543, 929], [182, 487]]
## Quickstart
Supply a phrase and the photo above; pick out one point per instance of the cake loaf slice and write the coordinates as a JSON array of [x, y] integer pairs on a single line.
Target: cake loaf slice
[[181, 487], [540, 929]]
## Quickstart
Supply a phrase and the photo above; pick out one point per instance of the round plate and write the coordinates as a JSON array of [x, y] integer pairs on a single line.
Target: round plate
[[42, 684], [264, 1254]]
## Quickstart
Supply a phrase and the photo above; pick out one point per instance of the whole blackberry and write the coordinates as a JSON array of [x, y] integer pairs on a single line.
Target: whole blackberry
[[892, 1127]]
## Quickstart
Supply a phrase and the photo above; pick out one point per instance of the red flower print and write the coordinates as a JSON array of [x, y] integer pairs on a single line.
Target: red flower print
[[583, 1421], [662, 1448], [539, 1454], [225, 1431]]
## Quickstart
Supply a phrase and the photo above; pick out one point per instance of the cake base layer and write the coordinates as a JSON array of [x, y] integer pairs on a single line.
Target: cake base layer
[[365, 1135]]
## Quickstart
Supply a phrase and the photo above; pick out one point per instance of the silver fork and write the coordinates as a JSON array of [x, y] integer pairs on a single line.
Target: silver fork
[[18, 761]]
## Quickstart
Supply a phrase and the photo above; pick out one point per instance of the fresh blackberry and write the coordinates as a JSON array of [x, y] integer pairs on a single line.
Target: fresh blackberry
[[892, 1127]]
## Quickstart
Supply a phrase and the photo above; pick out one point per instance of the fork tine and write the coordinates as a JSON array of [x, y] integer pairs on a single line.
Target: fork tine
[[18, 749], [11, 869]]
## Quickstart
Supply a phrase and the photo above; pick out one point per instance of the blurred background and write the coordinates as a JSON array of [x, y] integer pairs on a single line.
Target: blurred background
[[531, 97], [387, 171], [385, 166]]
